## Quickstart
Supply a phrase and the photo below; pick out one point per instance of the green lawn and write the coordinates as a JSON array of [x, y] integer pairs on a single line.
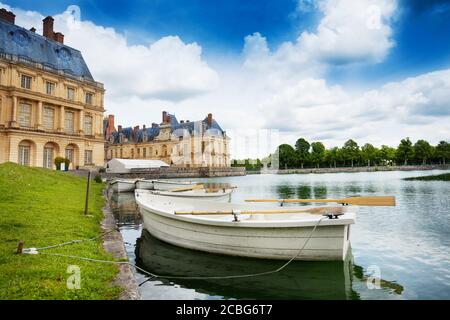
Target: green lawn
[[44, 207], [439, 177]]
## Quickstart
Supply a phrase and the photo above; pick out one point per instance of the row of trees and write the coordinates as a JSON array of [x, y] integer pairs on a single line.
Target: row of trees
[[305, 154]]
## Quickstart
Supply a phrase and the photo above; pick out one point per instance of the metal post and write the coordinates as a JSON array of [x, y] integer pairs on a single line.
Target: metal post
[[86, 206]]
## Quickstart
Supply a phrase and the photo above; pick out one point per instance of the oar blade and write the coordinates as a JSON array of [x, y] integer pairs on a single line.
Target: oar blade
[[387, 201]]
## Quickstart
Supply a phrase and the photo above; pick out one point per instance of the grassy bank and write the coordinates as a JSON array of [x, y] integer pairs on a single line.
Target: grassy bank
[[439, 177], [44, 207]]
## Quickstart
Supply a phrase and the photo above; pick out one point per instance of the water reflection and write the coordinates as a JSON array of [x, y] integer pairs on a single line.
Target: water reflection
[[409, 243], [300, 280], [124, 208]]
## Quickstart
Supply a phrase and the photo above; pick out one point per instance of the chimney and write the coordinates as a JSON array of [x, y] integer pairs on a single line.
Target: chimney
[[144, 127], [7, 16], [210, 119], [164, 115], [154, 125], [168, 119], [33, 30], [111, 127], [48, 28], [59, 37], [181, 121]]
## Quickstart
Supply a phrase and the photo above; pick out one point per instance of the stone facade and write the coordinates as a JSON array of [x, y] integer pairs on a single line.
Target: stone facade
[[50, 105], [183, 144]]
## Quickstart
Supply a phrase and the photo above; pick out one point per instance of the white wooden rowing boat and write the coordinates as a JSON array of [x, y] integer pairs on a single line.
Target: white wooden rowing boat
[[144, 184], [197, 194], [257, 235], [122, 185], [172, 184]]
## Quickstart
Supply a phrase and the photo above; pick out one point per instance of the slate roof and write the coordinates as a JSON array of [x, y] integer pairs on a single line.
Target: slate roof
[[32, 47], [137, 136]]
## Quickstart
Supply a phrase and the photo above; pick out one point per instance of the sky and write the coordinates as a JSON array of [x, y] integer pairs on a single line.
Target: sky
[[270, 72]]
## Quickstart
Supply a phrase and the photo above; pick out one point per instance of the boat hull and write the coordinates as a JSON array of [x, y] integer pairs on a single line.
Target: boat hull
[[170, 185], [144, 184], [122, 186], [278, 240]]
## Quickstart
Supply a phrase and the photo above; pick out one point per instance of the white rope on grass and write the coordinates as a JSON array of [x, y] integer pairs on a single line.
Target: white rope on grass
[[190, 277], [73, 241]]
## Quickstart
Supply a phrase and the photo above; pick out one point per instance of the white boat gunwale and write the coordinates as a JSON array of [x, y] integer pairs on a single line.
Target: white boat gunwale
[[304, 219]]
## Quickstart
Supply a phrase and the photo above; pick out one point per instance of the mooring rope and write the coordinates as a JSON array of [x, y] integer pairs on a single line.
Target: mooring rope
[[153, 275], [75, 241]]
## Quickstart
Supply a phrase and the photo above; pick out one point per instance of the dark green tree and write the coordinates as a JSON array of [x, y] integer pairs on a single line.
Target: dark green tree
[[387, 154], [423, 151], [443, 151], [317, 153], [302, 147], [334, 155], [369, 153], [350, 151], [287, 156], [405, 151]]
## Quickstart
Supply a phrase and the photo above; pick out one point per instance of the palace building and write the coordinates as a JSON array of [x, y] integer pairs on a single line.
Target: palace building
[[50, 105], [178, 143]]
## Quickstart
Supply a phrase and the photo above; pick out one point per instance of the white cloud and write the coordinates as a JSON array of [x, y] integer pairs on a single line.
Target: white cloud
[[351, 31], [167, 69], [283, 89]]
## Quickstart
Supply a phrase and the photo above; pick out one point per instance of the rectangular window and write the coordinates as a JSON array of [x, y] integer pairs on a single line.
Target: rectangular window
[[121, 153], [48, 119], [26, 82], [48, 158], [87, 157], [50, 88], [144, 152], [89, 98], [24, 155], [24, 117], [68, 125], [88, 125], [71, 93]]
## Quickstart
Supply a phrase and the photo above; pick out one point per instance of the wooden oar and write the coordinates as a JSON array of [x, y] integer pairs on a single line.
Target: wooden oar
[[356, 201], [195, 187], [318, 210], [214, 190]]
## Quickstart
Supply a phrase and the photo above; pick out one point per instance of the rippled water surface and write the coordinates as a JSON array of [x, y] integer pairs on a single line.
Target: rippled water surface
[[408, 246]]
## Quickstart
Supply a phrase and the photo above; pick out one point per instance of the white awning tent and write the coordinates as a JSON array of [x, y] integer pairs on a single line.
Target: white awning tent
[[125, 165]]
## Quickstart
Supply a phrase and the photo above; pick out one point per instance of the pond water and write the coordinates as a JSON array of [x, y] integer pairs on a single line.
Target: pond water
[[400, 252]]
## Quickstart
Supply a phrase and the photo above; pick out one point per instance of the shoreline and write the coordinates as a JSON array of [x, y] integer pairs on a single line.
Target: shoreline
[[113, 243], [355, 169]]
